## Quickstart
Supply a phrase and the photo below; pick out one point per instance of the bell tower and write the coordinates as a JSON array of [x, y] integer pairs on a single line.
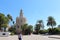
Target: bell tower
[[20, 20]]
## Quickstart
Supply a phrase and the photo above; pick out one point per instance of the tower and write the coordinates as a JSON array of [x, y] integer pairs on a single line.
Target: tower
[[21, 20], [21, 13]]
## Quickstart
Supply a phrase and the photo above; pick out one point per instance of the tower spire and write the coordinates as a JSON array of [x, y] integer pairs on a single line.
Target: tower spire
[[21, 13]]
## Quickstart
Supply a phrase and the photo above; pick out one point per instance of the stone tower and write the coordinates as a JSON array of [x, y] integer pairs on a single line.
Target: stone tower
[[21, 20]]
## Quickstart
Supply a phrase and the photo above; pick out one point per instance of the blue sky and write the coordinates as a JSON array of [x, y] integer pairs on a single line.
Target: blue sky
[[33, 9]]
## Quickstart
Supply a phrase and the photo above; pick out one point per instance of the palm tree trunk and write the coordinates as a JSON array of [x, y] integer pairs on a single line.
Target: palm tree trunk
[[0, 27], [52, 30], [52, 27]]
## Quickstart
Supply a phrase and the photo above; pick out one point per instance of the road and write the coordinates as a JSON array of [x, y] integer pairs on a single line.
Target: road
[[32, 37]]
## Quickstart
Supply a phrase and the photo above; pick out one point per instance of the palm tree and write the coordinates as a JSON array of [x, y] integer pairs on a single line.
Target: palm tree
[[39, 25], [37, 28], [10, 17], [51, 21], [13, 22], [40, 22]]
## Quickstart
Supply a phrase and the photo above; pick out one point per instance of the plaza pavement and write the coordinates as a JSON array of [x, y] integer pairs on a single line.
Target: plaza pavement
[[32, 37]]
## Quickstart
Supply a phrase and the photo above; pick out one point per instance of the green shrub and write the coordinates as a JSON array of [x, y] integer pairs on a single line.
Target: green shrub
[[54, 31], [43, 31], [12, 33], [35, 32]]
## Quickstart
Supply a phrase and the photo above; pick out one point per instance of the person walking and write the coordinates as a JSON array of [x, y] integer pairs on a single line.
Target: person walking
[[20, 36]]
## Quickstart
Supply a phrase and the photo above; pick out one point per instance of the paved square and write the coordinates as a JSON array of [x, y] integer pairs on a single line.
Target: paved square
[[31, 37]]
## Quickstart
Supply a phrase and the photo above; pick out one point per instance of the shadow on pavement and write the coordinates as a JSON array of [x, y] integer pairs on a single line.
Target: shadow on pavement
[[54, 37]]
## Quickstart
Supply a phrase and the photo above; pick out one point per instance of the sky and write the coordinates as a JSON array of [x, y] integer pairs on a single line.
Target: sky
[[33, 9]]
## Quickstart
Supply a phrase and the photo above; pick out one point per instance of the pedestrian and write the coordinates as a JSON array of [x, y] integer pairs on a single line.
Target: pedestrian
[[20, 36]]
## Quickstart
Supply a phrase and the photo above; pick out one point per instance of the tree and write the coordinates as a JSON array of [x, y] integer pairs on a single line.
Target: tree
[[24, 27], [10, 18], [37, 28], [51, 21], [30, 29], [41, 24], [27, 29], [3, 21], [4, 26], [12, 29]]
